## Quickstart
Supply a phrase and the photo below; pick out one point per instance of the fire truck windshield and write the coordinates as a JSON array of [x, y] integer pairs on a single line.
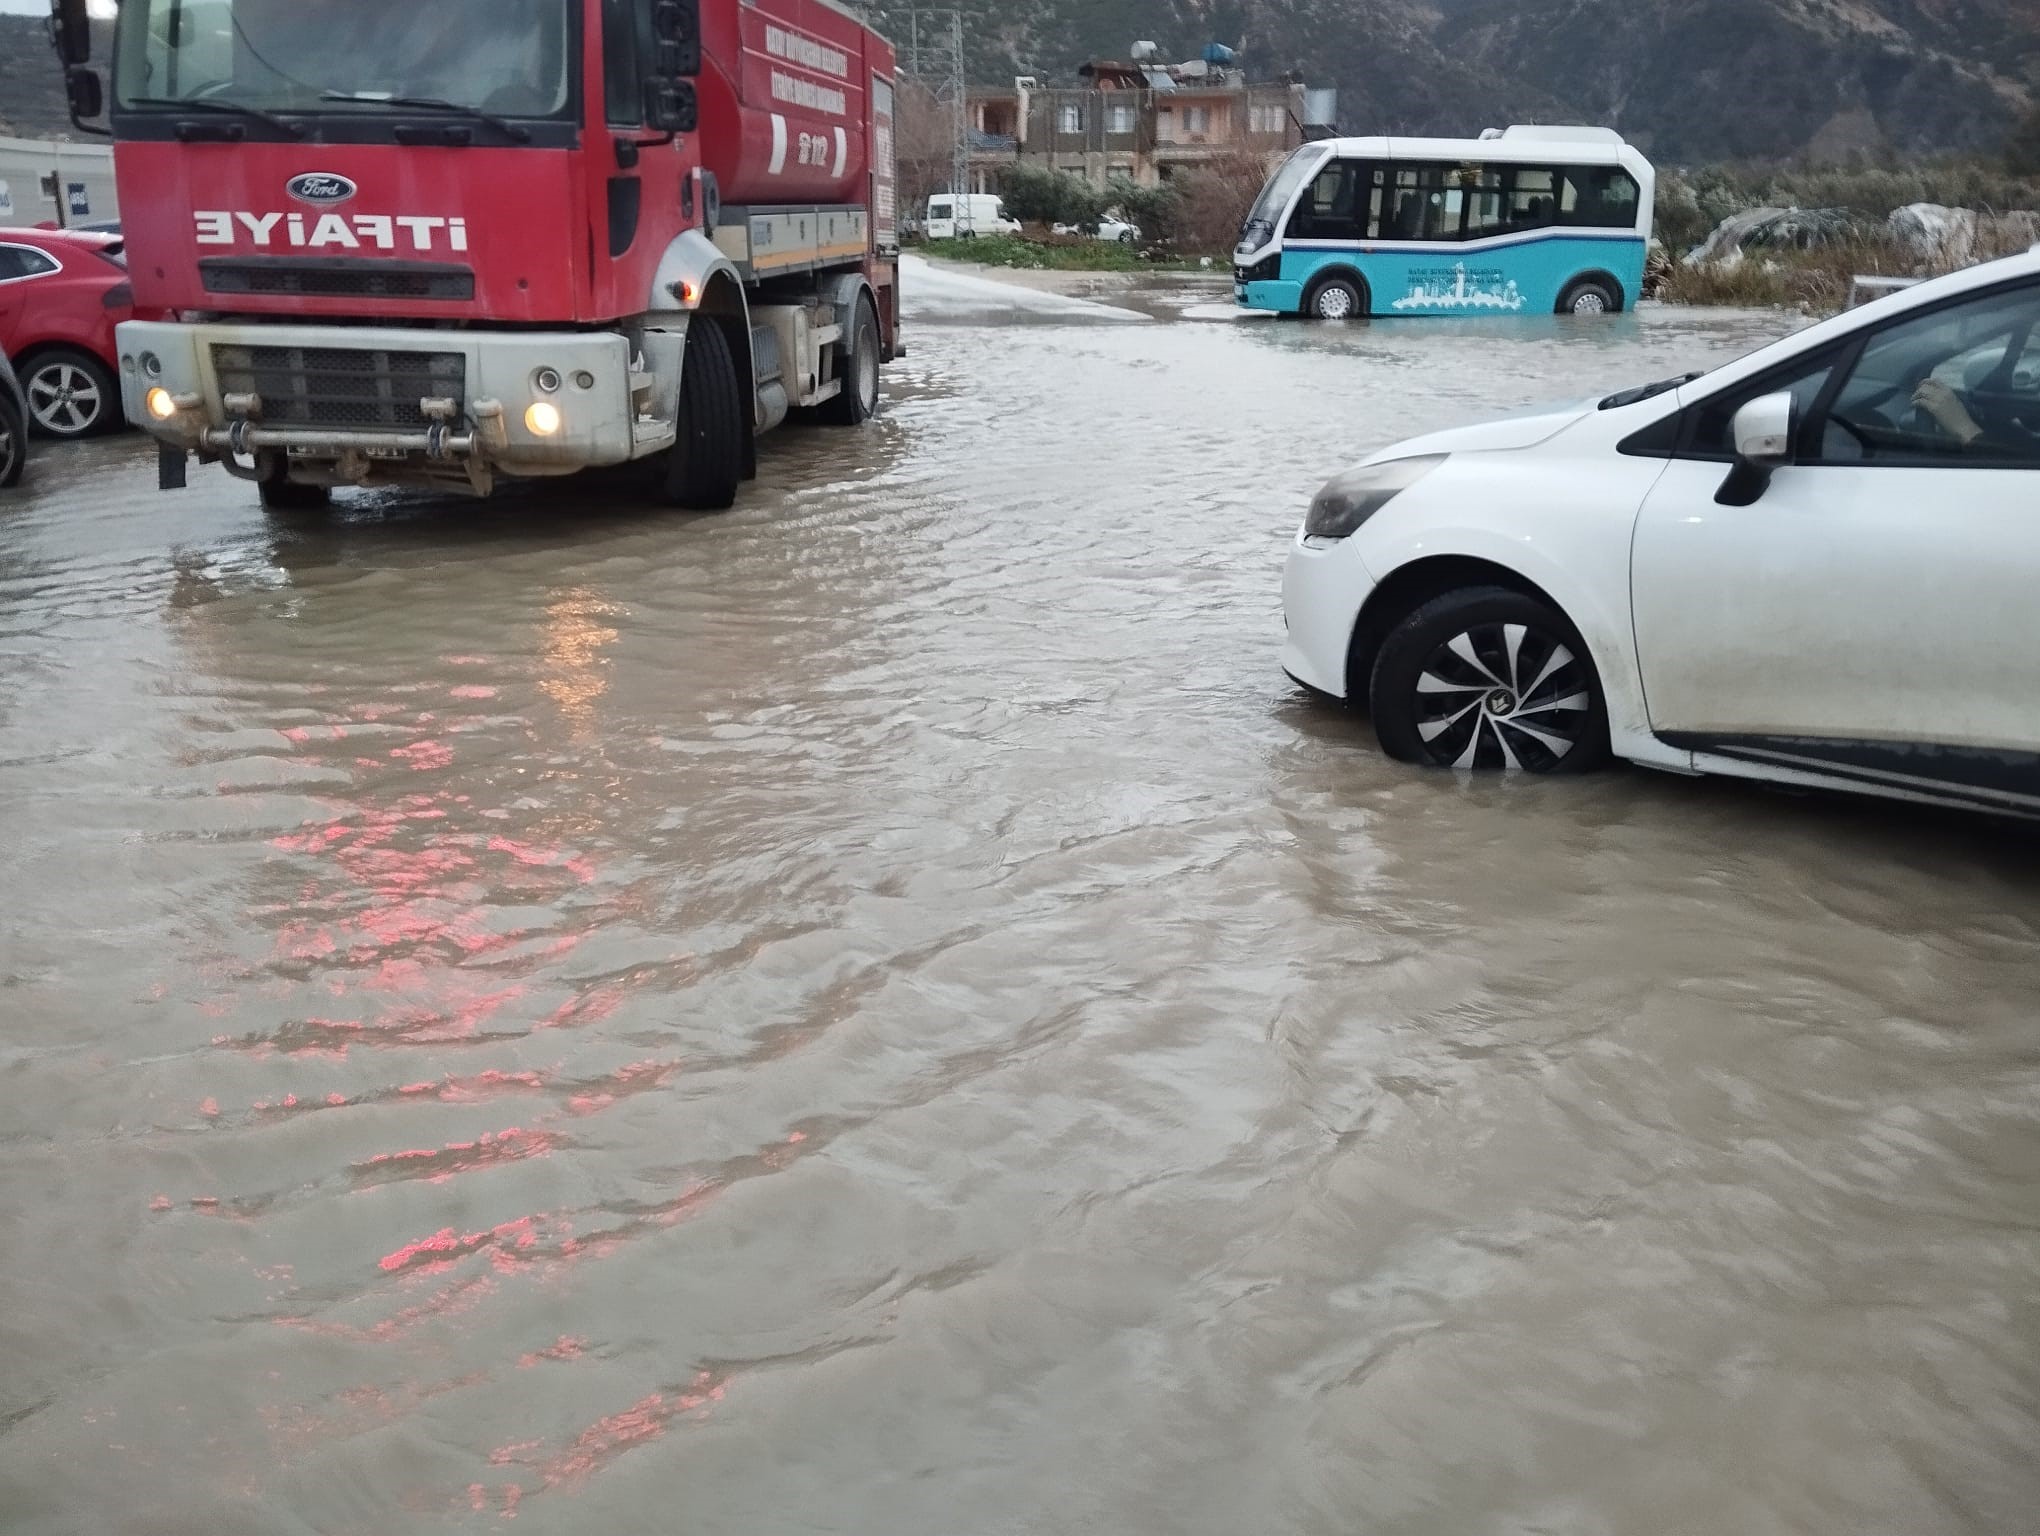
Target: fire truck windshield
[[511, 58]]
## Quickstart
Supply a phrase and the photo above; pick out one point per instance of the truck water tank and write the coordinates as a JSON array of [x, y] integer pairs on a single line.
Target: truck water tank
[[786, 91]]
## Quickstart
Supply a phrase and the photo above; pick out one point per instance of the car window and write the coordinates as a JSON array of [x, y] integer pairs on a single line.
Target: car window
[[1957, 385], [1713, 431], [21, 261]]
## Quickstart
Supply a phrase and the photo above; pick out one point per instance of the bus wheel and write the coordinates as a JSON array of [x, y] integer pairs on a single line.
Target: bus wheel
[[1336, 298], [706, 462], [1589, 297]]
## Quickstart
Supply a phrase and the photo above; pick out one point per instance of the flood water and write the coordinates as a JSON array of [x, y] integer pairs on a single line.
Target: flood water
[[883, 1011]]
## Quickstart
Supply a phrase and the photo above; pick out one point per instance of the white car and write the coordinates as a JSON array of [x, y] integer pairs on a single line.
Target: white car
[[1818, 565], [1114, 230], [13, 427]]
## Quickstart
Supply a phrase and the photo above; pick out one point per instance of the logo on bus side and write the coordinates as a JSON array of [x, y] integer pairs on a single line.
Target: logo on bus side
[[320, 188]]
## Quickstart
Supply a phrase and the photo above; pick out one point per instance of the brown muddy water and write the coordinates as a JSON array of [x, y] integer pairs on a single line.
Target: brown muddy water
[[883, 1012]]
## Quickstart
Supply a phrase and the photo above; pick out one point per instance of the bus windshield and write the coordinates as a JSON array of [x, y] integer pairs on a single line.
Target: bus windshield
[[508, 57], [1282, 186]]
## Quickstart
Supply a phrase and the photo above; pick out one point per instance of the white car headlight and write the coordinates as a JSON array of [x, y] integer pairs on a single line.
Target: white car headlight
[[1342, 506]]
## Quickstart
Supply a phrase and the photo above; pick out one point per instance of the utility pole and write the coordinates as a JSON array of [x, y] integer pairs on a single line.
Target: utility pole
[[932, 55]]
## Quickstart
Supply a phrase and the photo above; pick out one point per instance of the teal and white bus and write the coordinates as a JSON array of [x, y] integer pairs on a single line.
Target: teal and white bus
[[1519, 221]]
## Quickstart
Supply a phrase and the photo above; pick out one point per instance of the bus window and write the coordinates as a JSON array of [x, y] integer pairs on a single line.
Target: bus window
[[1424, 203], [1533, 199], [1600, 197], [1331, 207], [1487, 205]]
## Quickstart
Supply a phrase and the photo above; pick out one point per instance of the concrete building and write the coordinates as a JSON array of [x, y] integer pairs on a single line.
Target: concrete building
[[1141, 122], [44, 181]]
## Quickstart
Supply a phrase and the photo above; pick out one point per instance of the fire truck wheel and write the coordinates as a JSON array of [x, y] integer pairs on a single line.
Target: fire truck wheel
[[286, 498], [706, 463], [859, 401]]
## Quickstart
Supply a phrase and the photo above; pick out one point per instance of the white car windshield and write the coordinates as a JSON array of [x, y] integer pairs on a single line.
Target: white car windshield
[[502, 56]]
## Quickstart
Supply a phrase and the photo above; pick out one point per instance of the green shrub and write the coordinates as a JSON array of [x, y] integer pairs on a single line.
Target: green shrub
[[2022, 149], [1037, 195], [1070, 254]]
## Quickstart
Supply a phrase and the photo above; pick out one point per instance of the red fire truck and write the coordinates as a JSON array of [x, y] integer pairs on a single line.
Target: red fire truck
[[448, 242]]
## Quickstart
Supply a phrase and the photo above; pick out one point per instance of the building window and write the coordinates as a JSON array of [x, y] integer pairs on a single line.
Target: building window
[[1070, 119], [1269, 119], [1119, 119], [1197, 121]]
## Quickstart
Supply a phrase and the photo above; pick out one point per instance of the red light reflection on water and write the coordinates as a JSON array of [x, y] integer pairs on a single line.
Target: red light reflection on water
[[566, 1348], [602, 1442], [511, 1146]]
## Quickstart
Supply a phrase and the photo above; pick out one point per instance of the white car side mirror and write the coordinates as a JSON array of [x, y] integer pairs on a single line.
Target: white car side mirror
[[1763, 433], [1763, 430]]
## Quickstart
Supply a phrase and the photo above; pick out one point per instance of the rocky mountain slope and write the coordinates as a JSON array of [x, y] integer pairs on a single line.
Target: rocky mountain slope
[[1692, 80], [31, 87]]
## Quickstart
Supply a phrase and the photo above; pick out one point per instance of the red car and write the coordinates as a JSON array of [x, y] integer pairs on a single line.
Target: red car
[[61, 294]]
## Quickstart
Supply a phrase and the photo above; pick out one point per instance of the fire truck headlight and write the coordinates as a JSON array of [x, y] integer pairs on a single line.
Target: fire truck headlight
[[543, 419], [161, 403]]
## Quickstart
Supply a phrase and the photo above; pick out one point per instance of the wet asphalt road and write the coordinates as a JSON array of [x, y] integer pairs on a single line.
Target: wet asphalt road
[[883, 1012]]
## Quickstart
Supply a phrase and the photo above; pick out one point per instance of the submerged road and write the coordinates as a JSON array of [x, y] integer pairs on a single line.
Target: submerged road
[[883, 1012]]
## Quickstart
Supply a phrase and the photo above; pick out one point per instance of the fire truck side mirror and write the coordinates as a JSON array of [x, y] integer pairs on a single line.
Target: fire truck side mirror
[[86, 96], [71, 31], [671, 106], [677, 25]]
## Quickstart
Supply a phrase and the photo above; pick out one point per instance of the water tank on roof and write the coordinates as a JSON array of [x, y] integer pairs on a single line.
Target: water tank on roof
[[1146, 53], [1219, 55]]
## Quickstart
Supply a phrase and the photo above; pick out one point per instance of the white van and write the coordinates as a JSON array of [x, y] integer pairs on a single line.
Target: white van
[[964, 218]]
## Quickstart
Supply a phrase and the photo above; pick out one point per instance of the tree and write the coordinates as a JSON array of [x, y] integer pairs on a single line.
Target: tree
[[1036, 195], [924, 136], [2022, 149], [1154, 209], [1212, 202]]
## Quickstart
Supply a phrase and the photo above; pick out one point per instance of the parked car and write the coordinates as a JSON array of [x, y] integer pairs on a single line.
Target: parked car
[[965, 218], [1816, 565], [13, 427], [62, 292], [1112, 228]]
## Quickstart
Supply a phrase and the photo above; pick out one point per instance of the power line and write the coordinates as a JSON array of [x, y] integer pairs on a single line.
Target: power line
[[932, 55]]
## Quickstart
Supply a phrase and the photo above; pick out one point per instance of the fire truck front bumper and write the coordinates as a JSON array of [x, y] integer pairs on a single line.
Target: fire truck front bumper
[[343, 405]]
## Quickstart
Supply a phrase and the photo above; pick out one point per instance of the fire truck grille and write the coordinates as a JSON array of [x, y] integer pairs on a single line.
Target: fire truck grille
[[343, 386], [338, 278]]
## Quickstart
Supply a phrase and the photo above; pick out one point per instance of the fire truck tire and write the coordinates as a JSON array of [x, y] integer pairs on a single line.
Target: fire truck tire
[[706, 464], [286, 498], [859, 401]]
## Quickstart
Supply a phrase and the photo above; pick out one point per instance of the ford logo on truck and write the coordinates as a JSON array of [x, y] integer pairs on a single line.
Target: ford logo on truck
[[320, 189]]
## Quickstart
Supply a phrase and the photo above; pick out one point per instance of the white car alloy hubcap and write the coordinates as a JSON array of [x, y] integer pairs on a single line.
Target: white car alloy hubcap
[[63, 398], [1589, 303], [1503, 696], [1334, 304]]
